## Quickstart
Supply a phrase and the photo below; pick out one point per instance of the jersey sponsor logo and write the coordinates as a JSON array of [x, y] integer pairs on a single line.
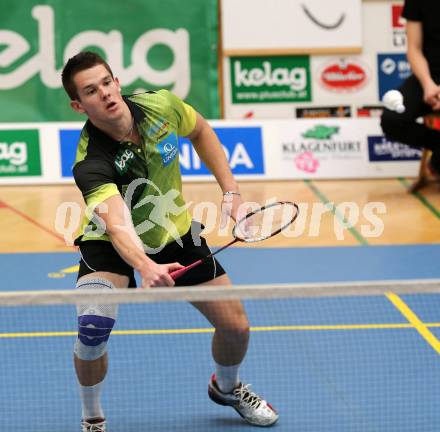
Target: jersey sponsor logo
[[243, 147], [382, 150], [168, 149], [123, 160], [19, 153], [393, 70], [344, 76], [159, 129]]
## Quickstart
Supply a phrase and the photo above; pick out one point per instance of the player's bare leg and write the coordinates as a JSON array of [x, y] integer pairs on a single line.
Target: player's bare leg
[[229, 346]]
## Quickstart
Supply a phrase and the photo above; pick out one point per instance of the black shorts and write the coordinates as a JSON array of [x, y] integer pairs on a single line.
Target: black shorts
[[100, 255]]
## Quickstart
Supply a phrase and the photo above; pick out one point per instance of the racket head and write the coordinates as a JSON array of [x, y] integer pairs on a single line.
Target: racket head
[[265, 222]]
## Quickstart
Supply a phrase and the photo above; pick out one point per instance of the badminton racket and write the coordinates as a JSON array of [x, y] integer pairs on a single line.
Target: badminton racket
[[258, 225]]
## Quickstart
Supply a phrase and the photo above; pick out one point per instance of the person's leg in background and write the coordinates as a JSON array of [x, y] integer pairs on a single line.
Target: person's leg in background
[[404, 128]]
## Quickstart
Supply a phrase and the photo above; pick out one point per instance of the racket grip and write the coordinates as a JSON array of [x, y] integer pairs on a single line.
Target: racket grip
[[177, 273]]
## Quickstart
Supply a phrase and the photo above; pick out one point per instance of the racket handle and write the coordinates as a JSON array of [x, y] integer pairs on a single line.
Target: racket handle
[[177, 273]]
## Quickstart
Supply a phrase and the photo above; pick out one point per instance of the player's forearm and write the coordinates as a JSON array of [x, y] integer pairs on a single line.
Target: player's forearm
[[129, 246], [419, 66], [210, 151]]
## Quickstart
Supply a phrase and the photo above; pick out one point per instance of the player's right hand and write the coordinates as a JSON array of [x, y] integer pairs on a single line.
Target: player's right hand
[[156, 275], [431, 95]]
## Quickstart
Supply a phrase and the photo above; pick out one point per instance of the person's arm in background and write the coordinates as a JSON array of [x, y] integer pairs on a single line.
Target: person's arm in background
[[210, 151], [419, 64], [119, 226]]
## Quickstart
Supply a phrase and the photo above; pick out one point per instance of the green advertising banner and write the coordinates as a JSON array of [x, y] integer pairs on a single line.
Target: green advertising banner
[[270, 79], [150, 44], [20, 153]]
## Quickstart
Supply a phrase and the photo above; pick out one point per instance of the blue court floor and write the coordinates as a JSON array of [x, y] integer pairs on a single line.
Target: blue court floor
[[353, 364]]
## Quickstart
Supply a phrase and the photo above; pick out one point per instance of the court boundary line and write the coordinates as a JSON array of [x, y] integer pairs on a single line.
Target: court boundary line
[[353, 231], [421, 198], [32, 221], [413, 319], [255, 329]]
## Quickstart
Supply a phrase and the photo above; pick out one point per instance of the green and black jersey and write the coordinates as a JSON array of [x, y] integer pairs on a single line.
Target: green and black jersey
[[147, 176]]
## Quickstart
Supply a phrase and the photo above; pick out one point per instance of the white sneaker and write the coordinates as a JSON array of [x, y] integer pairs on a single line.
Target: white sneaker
[[249, 405], [93, 427]]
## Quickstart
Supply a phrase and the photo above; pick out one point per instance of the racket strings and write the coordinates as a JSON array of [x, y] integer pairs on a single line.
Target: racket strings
[[265, 222]]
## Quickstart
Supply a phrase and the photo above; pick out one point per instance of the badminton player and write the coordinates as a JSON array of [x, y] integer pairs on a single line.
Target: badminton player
[[127, 169]]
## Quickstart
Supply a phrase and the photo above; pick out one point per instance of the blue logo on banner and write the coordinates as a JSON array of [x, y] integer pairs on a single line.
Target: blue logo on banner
[[168, 149], [243, 147], [382, 150], [393, 69], [68, 143]]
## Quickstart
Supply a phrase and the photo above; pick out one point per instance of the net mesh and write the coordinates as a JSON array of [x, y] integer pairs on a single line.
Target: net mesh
[[334, 357]]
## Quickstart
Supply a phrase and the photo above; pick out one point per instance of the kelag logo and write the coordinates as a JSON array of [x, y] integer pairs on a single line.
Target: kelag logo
[[270, 79], [19, 153], [68, 142], [382, 150], [243, 147], [393, 69]]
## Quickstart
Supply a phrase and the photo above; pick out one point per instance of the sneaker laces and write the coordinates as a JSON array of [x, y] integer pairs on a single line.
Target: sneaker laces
[[93, 427], [247, 397]]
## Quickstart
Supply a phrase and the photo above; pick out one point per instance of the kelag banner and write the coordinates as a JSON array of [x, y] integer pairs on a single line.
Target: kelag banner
[[150, 44]]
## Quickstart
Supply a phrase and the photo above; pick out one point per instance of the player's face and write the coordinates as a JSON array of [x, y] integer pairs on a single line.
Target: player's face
[[99, 94]]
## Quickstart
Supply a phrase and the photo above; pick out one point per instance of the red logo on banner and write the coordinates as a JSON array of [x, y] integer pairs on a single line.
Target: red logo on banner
[[345, 76], [306, 162], [398, 21]]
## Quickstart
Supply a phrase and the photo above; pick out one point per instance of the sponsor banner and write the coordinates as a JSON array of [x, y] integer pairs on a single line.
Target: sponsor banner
[[316, 148], [344, 75], [256, 150], [393, 70], [398, 23], [292, 26], [68, 142], [20, 153], [369, 111], [382, 150], [243, 147], [320, 112], [176, 51], [270, 79]]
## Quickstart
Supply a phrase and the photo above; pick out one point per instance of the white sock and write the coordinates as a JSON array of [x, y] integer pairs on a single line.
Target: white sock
[[227, 377], [91, 401]]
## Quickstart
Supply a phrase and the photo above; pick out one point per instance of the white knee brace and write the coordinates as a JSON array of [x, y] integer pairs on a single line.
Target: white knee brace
[[95, 322]]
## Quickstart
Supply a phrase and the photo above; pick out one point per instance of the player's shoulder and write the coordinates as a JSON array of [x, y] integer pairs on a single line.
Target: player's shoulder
[[87, 146], [153, 98]]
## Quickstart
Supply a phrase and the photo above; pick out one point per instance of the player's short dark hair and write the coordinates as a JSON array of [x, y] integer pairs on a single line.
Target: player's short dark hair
[[77, 63]]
